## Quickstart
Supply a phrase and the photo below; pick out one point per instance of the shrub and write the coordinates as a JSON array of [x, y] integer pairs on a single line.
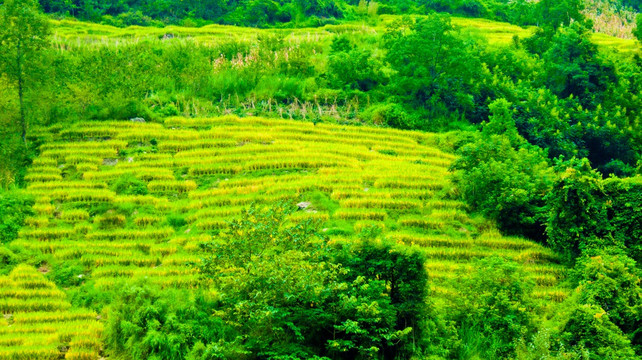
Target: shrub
[[393, 115], [15, 207], [67, 274], [590, 327], [176, 221], [613, 282], [545, 346], [505, 184], [577, 210], [129, 185], [401, 271], [7, 260], [625, 202], [495, 310], [146, 323]]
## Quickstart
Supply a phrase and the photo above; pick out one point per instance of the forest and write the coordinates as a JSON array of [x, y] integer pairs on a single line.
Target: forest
[[325, 179]]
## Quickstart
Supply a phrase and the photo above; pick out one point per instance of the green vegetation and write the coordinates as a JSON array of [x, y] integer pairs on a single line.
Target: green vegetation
[[24, 34], [346, 276], [320, 179]]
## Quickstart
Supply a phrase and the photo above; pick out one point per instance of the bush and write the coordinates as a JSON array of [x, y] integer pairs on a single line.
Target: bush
[[625, 201], [176, 221], [393, 115], [15, 207], [613, 282], [496, 309], [401, 271], [589, 326], [617, 168], [145, 322], [68, 274], [505, 184], [577, 210], [129, 185], [546, 346], [7, 260], [169, 110]]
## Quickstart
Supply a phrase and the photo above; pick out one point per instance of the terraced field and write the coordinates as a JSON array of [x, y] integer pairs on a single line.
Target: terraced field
[[73, 33], [192, 175], [39, 323]]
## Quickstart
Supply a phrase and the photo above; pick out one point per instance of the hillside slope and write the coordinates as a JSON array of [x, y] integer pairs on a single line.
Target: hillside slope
[[39, 323], [127, 201], [497, 33]]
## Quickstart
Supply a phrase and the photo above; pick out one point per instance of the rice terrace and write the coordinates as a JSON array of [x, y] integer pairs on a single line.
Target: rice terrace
[[325, 179]]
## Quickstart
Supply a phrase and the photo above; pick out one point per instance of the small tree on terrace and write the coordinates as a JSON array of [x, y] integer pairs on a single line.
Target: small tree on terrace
[[23, 33]]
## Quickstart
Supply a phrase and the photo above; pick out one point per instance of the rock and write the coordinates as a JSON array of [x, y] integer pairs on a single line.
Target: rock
[[110, 162], [138, 120], [304, 205]]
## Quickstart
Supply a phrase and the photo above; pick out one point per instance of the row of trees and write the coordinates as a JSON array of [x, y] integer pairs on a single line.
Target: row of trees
[[270, 12], [159, 13]]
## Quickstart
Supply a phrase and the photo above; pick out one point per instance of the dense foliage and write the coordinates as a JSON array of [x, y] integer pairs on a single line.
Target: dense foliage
[[267, 12], [287, 12], [282, 293], [14, 209], [548, 147]]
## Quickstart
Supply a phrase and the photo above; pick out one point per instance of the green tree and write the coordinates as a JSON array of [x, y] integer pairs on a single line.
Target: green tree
[[504, 178], [590, 327], [613, 283], [577, 210], [320, 8], [356, 69], [23, 33], [436, 69], [401, 271], [501, 122], [624, 204], [573, 66], [285, 295], [271, 281], [638, 27], [557, 13]]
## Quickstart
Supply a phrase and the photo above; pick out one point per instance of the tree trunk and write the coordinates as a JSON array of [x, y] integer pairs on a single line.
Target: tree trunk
[[23, 120]]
